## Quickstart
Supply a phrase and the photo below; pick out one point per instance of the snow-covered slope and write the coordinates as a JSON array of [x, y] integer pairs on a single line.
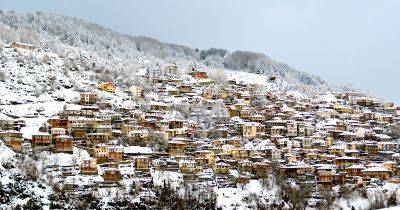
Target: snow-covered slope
[[89, 47], [35, 77]]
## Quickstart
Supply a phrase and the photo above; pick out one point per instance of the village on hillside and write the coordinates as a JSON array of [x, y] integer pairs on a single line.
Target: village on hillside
[[213, 135]]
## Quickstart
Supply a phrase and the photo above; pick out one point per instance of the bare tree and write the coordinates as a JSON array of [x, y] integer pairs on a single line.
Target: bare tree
[[42, 159], [156, 141], [219, 112], [329, 198], [290, 190], [395, 129], [377, 200], [38, 91], [2, 75], [347, 193], [74, 161], [184, 109], [29, 169]]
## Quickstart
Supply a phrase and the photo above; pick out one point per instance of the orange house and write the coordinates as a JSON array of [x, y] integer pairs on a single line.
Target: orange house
[[64, 143], [111, 175], [344, 162], [377, 173], [115, 153], [56, 122], [355, 170], [41, 140], [200, 74], [58, 131], [89, 166], [13, 139]]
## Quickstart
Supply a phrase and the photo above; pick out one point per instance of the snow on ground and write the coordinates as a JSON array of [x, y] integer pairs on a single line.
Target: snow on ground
[[158, 177], [232, 198], [361, 203], [39, 190], [5, 152], [392, 208], [260, 79], [107, 193], [65, 159], [250, 78], [27, 132], [32, 126], [81, 180], [46, 108], [29, 77], [137, 150], [37, 81]]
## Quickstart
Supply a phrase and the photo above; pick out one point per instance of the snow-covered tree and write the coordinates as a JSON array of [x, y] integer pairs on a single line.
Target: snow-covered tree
[[219, 111], [219, 76], [2, 75], [214, 61]]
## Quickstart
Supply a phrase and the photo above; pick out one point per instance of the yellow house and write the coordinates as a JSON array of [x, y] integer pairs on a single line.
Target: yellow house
[[241, 154], [329, 141], [175, 148], [187, 166], [245, 113], [336, 150], [223, 94], [342, 109], [142, 163], [210, 158], [107, 86], [101, 152], [234, 142], [251, 129], [390, 165]]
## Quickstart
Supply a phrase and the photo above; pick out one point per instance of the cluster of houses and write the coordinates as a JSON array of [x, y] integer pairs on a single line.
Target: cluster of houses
[[330, 139]]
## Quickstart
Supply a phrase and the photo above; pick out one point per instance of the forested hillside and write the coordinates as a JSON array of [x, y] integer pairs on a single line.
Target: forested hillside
[[90, 47]]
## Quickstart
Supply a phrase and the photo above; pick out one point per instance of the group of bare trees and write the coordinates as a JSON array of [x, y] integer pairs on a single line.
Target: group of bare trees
[[395, 129], [28, 167], [167, 197], [2, 75], [157, 142], [289, 190]]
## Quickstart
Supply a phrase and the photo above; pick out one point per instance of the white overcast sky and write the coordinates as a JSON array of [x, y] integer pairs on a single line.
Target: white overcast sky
[[343, 41]]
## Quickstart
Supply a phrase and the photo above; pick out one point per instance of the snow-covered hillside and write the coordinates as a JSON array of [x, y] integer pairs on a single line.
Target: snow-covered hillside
[[91, 47], [35, 77]]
